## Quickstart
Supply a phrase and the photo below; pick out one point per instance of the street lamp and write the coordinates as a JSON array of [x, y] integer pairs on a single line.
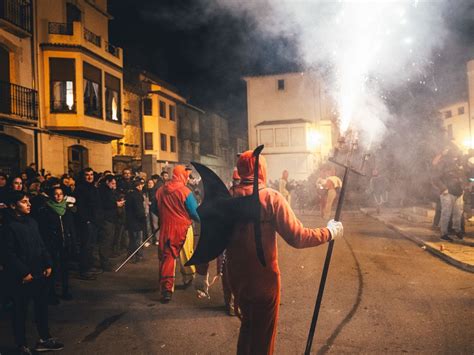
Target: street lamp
[[313, 139], [469, 143], [314, 145]]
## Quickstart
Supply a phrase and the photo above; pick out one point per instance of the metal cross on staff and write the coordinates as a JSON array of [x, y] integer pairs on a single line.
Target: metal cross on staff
[[347, 168]]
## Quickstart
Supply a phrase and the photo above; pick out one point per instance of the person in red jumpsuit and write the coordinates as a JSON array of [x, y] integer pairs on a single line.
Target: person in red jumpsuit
[[176, 208], [256, 288]]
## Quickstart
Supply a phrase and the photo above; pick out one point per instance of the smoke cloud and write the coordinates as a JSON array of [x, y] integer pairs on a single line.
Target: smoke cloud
[[364, 48]]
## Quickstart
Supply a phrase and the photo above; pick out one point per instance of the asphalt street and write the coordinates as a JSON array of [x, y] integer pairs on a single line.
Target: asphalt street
[[384, 294]]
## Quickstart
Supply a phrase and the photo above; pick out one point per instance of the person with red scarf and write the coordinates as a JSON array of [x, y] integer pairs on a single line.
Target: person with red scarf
[[256, 288], [176, 208]]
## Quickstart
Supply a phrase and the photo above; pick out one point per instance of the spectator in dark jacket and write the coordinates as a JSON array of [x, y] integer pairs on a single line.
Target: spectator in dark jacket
[[39, 200], [31, 172], [16, 183], [449, 184], [27, 266], [135, 215], [152, 217], [3, 186], [110, 203], [3, 194], [125, 185], [89, 217], [56, 224]]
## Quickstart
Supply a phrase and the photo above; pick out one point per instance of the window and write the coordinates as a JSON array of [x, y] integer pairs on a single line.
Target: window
[[450, 131], [162, 109], [282, 138], [73, 13], [147, 107], [461, 110], [149, 140], [297, 135], [173, 144], [281, 84], [266, 137], [92, 90], [172, 113], [448, 114], [62, 82], [163, 144], [112, 98]]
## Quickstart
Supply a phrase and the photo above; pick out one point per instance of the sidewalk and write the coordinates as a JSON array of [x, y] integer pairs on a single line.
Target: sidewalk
[[415, 224]]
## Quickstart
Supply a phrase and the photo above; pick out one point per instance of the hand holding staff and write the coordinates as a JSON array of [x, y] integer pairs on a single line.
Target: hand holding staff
[[136, 251]]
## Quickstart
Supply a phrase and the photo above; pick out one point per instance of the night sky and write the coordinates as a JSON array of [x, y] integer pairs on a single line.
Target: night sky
[[205, 57], [205, 60]]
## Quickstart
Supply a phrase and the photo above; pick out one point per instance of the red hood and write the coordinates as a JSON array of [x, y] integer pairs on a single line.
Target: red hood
[[246, 165], [179, 179]]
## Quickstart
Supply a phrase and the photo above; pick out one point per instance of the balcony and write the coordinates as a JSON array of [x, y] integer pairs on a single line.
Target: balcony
[[18, 103], [59, 28], [75, 34], [115, 51], [83, 126], [92, 38], [16, 17]]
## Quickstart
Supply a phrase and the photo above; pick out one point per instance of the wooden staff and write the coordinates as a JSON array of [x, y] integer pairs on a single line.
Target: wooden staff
[[324, 275]]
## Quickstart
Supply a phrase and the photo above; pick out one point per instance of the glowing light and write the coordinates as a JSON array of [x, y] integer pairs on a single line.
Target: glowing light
[[313, 139], [69, 94], [468, 143]]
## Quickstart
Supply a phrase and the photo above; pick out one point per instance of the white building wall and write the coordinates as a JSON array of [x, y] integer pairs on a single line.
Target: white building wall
[[302, 102], [456, 123]]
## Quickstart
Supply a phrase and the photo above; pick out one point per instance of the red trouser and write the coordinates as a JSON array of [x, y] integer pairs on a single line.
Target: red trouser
[[167, 269], [258, 328]]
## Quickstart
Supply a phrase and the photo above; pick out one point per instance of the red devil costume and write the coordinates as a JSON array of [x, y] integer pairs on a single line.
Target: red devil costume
[[176, 207], [256, 288]]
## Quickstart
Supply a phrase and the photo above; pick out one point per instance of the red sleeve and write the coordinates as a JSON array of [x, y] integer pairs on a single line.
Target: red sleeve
[[291, 229]]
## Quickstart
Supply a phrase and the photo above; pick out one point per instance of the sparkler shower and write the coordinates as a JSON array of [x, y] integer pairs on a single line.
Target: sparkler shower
[[363, 48]]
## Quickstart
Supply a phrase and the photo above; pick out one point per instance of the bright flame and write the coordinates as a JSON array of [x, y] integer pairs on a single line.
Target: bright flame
[[375, 27]]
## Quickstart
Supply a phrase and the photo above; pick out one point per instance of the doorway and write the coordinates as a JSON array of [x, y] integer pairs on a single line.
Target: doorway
[[5, 95], [78, 158], [12, 155]]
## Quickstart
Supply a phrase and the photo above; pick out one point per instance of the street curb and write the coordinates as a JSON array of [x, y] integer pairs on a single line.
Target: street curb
[[459, 264]]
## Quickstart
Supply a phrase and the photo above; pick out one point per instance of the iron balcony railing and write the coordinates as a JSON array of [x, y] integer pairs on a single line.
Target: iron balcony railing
[[17, 12], [91, 37], [58, 28], [112, 49], [18, 101]]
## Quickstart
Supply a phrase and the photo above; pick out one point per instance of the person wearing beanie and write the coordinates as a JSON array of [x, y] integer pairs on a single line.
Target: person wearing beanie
[[135, 217]]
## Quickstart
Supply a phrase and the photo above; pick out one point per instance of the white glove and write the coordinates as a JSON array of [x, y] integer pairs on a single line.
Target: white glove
[[336, 229], [201, 284]]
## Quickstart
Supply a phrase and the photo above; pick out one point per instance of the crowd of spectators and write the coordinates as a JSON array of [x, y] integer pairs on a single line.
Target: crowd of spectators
[[52, 227]]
